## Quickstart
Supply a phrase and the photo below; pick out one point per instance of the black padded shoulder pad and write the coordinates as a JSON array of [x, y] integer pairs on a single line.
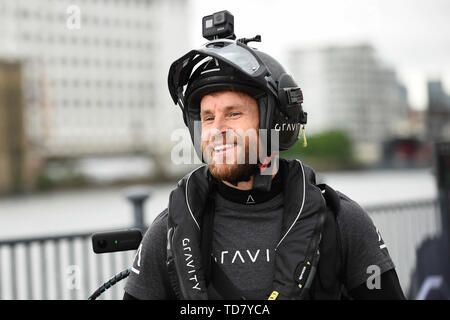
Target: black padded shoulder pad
[[330, 276], [331, 197]]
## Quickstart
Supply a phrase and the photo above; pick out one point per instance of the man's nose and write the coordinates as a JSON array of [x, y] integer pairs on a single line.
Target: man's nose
[[220, 131], [220, 124]]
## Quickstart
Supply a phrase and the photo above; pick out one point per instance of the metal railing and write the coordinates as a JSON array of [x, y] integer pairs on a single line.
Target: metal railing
[[403, 227], [57, 267], [65, 267]]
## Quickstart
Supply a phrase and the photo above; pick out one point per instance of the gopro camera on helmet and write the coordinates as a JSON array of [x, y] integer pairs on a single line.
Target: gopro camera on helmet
[[218, 25]]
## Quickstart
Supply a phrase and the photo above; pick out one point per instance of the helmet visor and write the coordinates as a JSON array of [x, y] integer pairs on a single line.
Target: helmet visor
[[232, 53], [229, 51]]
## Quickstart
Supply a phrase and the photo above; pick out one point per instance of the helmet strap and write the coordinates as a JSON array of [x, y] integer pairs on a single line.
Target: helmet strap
[[262, 182]]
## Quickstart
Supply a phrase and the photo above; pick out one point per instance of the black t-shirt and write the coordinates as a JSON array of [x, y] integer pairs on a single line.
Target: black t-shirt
[[246, 231]]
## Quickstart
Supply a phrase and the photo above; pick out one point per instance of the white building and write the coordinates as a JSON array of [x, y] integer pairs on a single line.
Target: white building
[[95, 72], [349, 88]]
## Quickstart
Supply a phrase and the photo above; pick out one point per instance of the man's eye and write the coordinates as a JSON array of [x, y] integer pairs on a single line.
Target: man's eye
[[208, 119], [234, 114]]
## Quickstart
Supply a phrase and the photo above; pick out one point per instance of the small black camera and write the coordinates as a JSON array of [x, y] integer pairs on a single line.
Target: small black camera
[[113, 241], [219, 25]]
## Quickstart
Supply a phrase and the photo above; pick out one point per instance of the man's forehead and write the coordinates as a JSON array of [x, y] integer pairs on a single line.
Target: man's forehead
[[226, 99]]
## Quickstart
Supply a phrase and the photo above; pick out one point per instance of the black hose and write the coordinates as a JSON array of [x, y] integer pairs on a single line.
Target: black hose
[[120, 276]]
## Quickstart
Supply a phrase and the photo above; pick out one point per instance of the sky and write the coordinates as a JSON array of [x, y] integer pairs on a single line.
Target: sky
[[411, 36]]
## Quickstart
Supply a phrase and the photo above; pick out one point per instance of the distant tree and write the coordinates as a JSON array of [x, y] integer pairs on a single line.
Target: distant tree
[[328, 150]]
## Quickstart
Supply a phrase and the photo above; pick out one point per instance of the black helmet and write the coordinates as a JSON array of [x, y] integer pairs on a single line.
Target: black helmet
[[226, 64]]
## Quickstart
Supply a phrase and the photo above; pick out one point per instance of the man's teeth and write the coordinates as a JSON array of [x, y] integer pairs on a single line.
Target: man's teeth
[[221, 147]]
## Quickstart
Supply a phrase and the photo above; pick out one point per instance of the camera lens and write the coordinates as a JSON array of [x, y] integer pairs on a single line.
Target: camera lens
[[102, 243], [208, 23], [219, 18]]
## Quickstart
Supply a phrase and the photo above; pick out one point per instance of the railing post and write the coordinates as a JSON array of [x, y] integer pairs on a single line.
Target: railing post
[[58, 280], [137, 195], [29, 263], [43, 259], [13, 271]]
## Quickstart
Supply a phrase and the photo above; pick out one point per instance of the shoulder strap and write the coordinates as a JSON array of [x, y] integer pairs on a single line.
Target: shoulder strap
[[206, 238], [331, 269], [222, 284], [331, 197]]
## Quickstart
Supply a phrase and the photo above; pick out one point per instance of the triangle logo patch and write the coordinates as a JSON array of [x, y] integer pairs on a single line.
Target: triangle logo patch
[[250, 200]]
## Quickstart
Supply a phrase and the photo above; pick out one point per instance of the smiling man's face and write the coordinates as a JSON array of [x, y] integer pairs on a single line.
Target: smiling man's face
[[230, 122]]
